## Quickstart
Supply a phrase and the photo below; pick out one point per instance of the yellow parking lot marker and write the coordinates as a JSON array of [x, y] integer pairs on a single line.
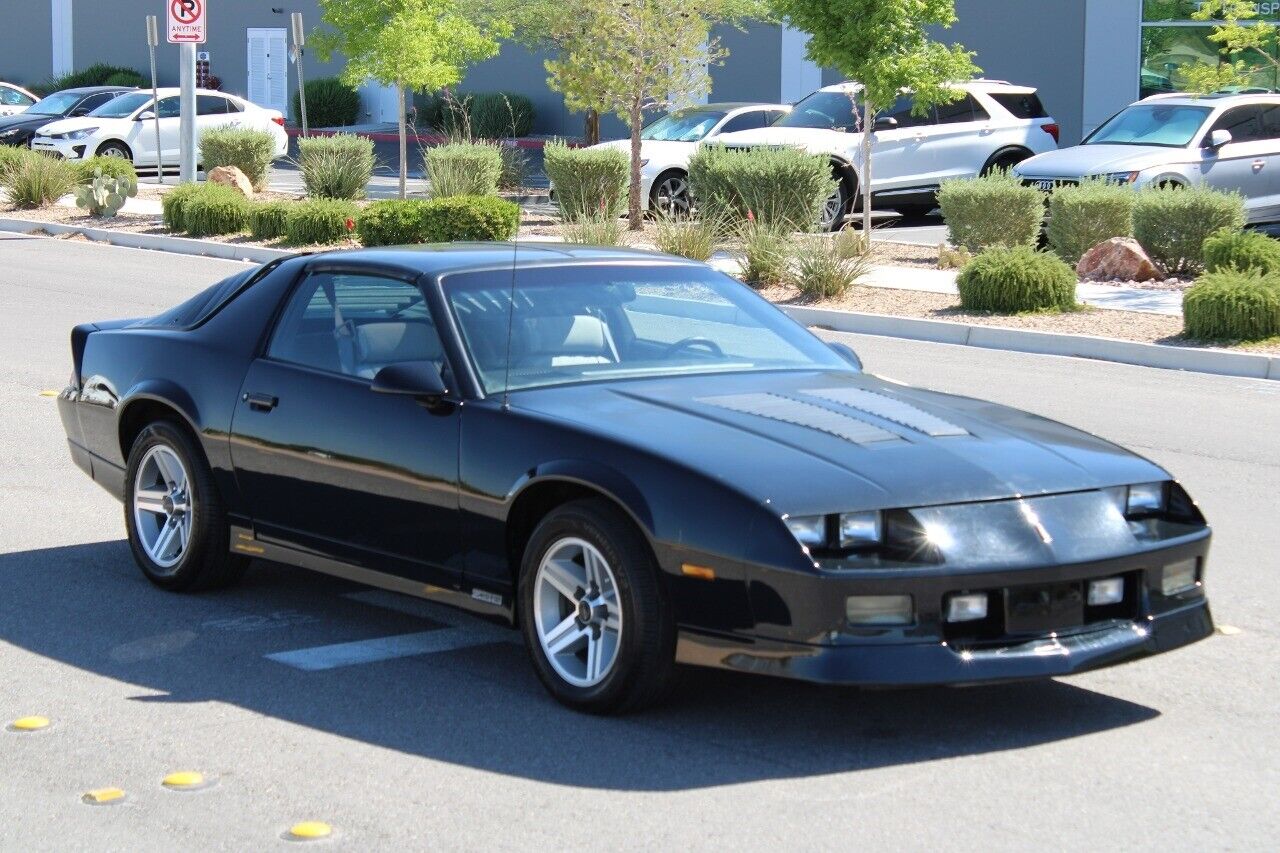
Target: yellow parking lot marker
[[1228, 630], [310, 830], [184, 780], [48, 393], [29, 724], [103, 796]]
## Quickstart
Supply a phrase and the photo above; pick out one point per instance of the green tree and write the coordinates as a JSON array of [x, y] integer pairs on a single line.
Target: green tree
[[629, 57], [1248, 47], [409, 44], [884, 45]]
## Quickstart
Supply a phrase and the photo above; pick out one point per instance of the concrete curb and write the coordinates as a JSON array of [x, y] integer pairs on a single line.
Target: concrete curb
[[1248, 365], [1221, 362]]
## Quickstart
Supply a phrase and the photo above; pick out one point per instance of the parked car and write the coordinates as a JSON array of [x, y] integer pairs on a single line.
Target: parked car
[[69, 103], [14, 99], [1225, 141], [123, 127], [667, 143], [993, 126], [634, 458]]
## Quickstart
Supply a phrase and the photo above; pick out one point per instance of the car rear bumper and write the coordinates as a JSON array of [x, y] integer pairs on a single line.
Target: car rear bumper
[[916, 664]]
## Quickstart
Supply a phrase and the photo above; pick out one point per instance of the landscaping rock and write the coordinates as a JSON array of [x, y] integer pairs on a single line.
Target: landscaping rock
[[230, 176], [1118, 258]]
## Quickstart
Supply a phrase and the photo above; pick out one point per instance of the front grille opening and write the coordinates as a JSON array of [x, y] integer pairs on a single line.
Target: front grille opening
[[994, 630]]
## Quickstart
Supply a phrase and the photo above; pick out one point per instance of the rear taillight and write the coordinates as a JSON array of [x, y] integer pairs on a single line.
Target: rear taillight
[[280, 121], [1052, 129]]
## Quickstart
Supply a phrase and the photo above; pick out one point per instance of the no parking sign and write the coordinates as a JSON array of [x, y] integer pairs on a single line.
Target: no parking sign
[[186, 21]]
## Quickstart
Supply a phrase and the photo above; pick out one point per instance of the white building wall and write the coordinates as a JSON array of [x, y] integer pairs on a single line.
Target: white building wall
[[1112, 48]]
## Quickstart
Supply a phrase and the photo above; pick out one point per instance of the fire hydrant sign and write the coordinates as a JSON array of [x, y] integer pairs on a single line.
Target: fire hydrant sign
[[186, 21]]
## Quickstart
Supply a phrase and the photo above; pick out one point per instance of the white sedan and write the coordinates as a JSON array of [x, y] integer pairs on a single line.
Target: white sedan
[[667, 144], [14, 99], [125, 127]]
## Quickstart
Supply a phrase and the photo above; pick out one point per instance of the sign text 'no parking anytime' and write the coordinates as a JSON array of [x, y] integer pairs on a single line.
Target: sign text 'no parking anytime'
[[186, 21]]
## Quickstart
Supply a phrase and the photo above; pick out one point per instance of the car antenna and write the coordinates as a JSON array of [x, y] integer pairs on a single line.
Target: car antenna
[[511, 320]]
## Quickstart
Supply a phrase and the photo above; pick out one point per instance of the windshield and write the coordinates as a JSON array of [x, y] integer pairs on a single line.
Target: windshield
[[123, 106], [585, 324], [829, 110], [55, 105], [1166, 125], [684, 126]]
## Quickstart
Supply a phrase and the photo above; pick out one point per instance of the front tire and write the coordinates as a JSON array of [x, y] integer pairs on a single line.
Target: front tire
[[599, 630], [669, 195], [176, 522], [835, 208], [113, 148]]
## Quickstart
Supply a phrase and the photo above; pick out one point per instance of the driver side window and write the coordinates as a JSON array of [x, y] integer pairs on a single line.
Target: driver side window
[[169, 108], [355, 325]]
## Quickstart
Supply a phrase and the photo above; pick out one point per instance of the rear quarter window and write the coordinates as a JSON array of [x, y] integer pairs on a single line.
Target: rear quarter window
[[1024, 105], [207, 302]]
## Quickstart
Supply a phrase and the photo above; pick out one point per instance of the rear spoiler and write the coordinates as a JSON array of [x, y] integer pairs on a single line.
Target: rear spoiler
[[80, 338]]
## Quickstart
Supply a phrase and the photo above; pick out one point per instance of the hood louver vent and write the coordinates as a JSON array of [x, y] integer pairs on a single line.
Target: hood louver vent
[[800, 413], [897, 411]]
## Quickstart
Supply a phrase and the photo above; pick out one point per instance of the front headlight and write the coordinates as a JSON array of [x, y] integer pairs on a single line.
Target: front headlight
[[1145, 499], [858, 529], [845, 531], [809, 530], [1119, 177], [82, 133], [8, 134]]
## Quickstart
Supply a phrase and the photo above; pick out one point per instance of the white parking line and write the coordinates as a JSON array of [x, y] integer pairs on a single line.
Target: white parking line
[[463, 631]]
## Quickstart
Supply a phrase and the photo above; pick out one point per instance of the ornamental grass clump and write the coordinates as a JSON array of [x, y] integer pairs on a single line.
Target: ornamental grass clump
[[320, 222], [1018, 279], [1092, 212], [250, 151], [695, 239], [587, 181], [37, 180], [269, 220], [215, 210], [1172, 223], [111, 167], [464, 168], [337, 167], [1232, 305], [990, 211], [825, 269], [766, 251], [1241, 250], [594, 229], [785, 187]]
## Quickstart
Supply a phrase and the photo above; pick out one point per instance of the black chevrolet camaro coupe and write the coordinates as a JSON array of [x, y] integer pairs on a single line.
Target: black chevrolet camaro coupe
[[634, 458]]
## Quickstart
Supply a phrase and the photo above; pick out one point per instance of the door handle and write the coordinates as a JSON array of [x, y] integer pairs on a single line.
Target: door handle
[[260, 402], [1258, 165]]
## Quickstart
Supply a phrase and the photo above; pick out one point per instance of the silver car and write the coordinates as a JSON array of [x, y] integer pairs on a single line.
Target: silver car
[[1228, 142]]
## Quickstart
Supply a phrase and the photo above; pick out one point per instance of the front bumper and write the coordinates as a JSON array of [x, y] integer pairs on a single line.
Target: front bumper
[[68, 149], [919, 664]]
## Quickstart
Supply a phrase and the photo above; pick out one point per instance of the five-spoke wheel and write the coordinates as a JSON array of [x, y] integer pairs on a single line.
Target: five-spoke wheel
[[577, 611], [162, 506]]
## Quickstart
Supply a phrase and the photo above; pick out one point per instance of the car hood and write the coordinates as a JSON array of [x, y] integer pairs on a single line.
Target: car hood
[[653, 149], [826, 441], [810, 138], [1085, 160], [66, 125], [26, 120]]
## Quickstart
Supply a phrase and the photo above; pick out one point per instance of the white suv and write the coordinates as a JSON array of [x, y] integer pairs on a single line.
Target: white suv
[[995, 125]]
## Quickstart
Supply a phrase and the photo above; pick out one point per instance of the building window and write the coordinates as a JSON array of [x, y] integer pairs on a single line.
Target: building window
[[1170, 39]]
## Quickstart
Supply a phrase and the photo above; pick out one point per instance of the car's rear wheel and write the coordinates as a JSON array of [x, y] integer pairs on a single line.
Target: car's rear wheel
[[174, 515], [1003, 161], [113, 148], [599, 630], [670, 195]]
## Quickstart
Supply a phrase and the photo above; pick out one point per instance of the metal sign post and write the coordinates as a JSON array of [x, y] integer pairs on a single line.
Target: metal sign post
[[153, 41], [187, 29], [299, 40]]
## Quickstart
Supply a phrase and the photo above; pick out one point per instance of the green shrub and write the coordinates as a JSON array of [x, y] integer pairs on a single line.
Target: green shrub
[[394, 222], [38, 180], [993, 210], [330, 103], [112, 167], [337, 166], [515, 167], [214, 210], [1172, 223], [477, 115], [1241, 250], [127, 77], [1010, 280], [268, 220], [250, 151], [1081, 217], [785, 186], [477, 217], [319, 221], [1232, 305], [464, 168], [173, 205], [695, 239], [94, 75], [587, 181], [824, 269]]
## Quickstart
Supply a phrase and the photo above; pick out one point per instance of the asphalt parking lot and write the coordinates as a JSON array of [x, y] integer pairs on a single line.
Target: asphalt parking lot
[[406, 725]]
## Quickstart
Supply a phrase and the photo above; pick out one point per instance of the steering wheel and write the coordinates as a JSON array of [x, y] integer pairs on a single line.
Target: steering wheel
[[694, 342]]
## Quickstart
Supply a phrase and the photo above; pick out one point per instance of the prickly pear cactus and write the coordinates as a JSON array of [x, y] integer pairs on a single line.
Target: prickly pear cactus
[[105, 195]]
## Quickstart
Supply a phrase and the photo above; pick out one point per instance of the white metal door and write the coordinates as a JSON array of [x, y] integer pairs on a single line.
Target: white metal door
[[269, 68]]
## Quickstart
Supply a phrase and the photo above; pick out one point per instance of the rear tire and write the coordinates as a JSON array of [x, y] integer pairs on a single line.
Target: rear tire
[[836, 208], [174, 516], [1005, 160], [599, 630]]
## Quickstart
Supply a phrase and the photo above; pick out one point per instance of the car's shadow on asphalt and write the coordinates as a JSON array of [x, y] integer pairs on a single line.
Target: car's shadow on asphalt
[[88, 606]]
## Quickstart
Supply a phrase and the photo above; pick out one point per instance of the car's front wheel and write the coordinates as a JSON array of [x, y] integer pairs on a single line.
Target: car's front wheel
[[670, 195], [174, 515], [115, 149], [835, 208], [598, 627]]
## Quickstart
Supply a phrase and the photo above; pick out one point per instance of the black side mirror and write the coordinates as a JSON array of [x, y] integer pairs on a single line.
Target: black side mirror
[[886, 123], [77, 112], [412, 378], [846, 352]]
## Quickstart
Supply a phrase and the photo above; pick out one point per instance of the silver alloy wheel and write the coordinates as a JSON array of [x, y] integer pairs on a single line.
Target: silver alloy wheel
[[672, 196], [833, 208], [163, 507], [113, 151], [577, 612]]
